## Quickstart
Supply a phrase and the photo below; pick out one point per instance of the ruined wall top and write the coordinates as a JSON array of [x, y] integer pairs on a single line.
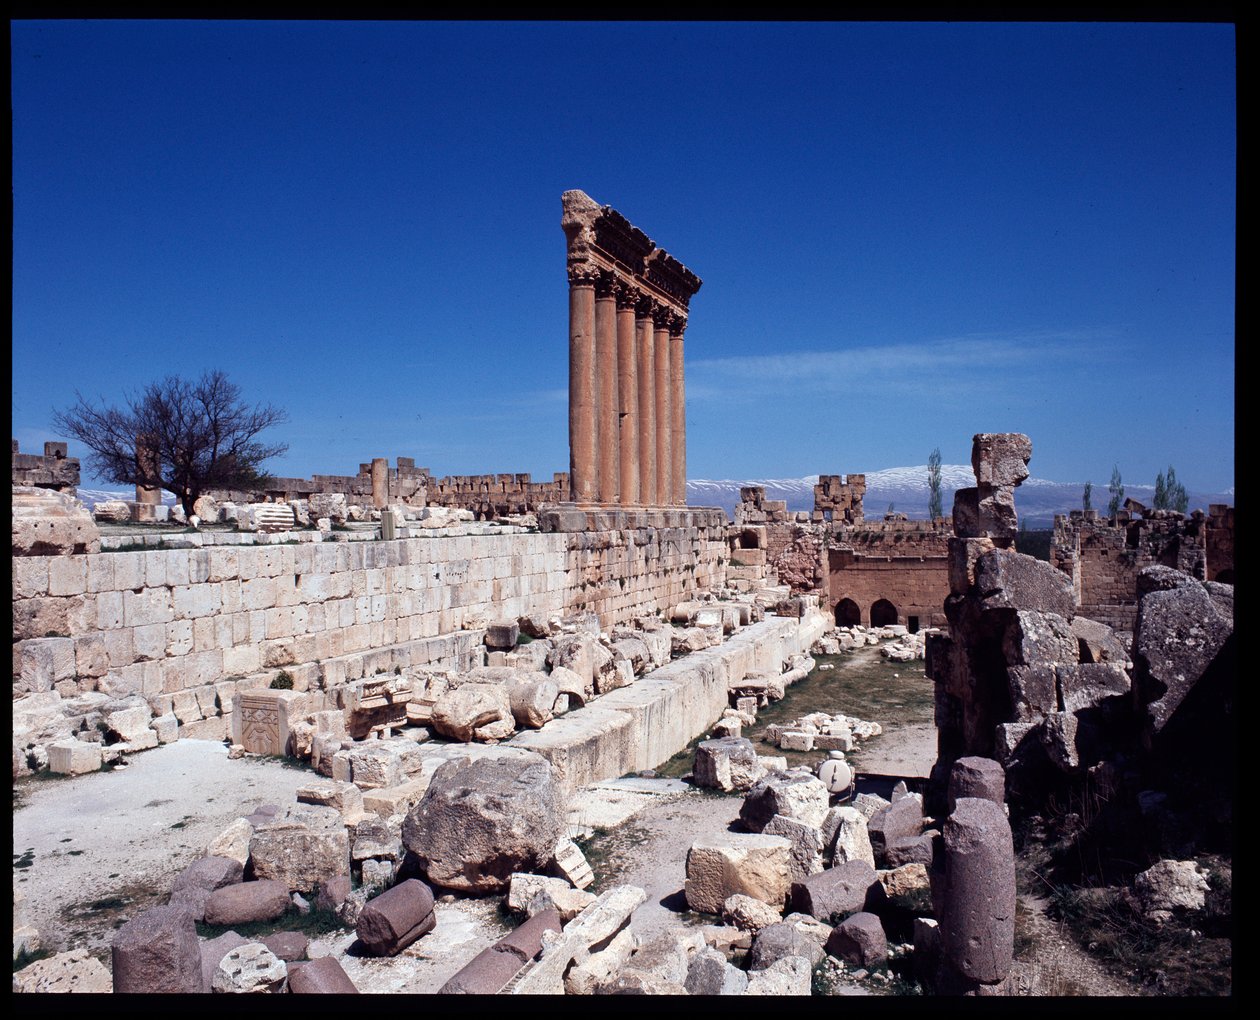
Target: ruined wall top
[[53, 470], [600, 239]]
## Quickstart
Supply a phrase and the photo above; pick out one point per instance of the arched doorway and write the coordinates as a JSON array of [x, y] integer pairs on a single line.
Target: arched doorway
[[883, 613], [847, 613]]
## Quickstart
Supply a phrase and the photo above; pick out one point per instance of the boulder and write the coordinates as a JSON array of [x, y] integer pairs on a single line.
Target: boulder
[[845, 836], [1170, 885], [301, 847], [533, 703], [755, 865], [73, 971], [859, 939], [901, 819], [474, 711], [710, 973], [843, 889], [791, 975], [158, 951], [749, 914], [791, 794], [481, 820], [1032, 638], [248, 969], [776, 941]]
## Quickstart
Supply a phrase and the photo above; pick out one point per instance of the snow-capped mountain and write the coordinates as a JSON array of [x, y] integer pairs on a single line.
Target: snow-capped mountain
[[90, 497], [906, 490]]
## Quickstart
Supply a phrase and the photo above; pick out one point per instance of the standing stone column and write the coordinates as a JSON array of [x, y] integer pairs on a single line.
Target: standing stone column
[[627, 395], [647, 401], [606, 458], [678, 408], [582, 388], [380, 482], [664, 413]]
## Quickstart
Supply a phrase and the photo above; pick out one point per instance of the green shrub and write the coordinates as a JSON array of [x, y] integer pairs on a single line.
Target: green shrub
[[282, 682]]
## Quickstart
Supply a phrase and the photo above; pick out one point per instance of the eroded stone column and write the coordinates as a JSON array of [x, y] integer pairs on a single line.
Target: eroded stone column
[[606, 457], [678, 408], [380, 483], [664, 412], [582, 388], [627, 396], [647, 401], [148, 498]]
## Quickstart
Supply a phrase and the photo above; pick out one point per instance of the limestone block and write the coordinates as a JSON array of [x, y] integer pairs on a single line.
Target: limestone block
[[792, 794], [73, 971], [301, 847], [1034, 691], [232, 842], [846, 837], [729, 763], [74, 757], [755, 865], [1010, 580], [536, 894], [709, 973], [1033, 638], [791, 975], [750, 914], [466, 711], [346, 798], [601, 968], [842, 889], [249, 968], [1091, 684], [807, 844], [572, 863], [262, 720], [532, 703], [387, 801], [899, 820], [49, 523], [907, 887]]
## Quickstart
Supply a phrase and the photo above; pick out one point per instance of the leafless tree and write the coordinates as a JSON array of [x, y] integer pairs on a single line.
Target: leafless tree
[[179, 435]]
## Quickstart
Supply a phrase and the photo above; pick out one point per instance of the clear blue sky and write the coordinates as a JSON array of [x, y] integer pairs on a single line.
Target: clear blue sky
[[908, 233]]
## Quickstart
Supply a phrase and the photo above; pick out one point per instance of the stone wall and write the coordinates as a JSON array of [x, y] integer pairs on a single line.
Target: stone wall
[[905, 563], [163, 621], [1103, 556], [54, 470]]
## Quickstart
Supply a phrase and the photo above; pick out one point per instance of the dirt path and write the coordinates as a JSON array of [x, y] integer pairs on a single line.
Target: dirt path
[[1054, 964]]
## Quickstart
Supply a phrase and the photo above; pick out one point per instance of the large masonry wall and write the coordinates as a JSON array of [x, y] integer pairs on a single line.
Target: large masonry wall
[[162, 621]]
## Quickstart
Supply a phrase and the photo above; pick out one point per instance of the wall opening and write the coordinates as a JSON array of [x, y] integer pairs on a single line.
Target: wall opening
[[883, 613], [912, 624], [847, 613]]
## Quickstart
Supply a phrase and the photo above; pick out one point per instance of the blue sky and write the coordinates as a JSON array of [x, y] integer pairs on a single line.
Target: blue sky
[[908, 233]]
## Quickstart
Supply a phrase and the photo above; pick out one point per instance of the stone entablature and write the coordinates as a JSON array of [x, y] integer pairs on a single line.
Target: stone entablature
[[1103, 555], [628, 306], [53, 470]]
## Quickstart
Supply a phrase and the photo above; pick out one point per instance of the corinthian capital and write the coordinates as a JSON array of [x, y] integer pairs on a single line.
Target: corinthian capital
[[677, 324], [627, 294], [583, 274]]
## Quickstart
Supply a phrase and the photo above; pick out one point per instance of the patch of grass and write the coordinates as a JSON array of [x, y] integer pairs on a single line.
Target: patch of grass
[[107, 903]]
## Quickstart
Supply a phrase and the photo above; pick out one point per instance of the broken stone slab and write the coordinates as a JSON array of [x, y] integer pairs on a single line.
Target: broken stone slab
[[908, 888], [729, 763], [977, 912], [263, 900], [301, 847], [977, 777], [749, 914], [572, 865], [347, 798], [790, 975], [249, 968], [859, 939], [482, 820], [213, 950], [710, 973], [1033, 638], [659, 961], [912, 849], [791, 794], [474, 711], [50, 523], [289, 946], [392, 921], [324, 976], [807, 844], [594, 927], [232, 842], [533, 704], [1096, 642], [755, 865], [845, 836], [1091, 684], [385, 802], [535, 894], [901, 819], [843, 889], [1034, 691], [73, 971], [374, 837], [1011, 580], [158, 951], [74, 757]]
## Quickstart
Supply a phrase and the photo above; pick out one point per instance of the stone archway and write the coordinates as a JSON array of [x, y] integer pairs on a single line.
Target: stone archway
[[883, 613], [848, 613]]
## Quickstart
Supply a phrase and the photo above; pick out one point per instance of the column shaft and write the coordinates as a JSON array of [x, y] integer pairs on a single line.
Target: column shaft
[[664, 417], [627, 397], [581, 387], [647, 403], [607, 460], [678, 408]]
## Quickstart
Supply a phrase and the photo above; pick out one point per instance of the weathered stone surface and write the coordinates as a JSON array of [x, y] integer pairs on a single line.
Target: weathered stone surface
[[1090, 684], [1034, 691], [526, 940], [323, 976], [901, 819], [859, 939], [288, 946], [977, 915], [302, 847], [842, 889], [663, 958], [568, 682], [572, 865], [48, 523], [74, 757], [532, 704], [845, 835], [213, 950], [74, 971], [907, 888], [482, 820], [250, 968], [755, 865], [1011, 580], [208, 873], [232, 842], [374, 838], [1033, 638], [977, 777], [790, 975], [1170, 885], [485, 974], [502, 636], [1096, 642], [394, 920], [1181, 628], [911, 849], [709, 973], [332, 892], [244, 902], [600, 968], [749, 914], [595, 926], [474, 711], [807, 844], [729, 763], [791, 794], [157, 951], [534, 894], [776, 941]]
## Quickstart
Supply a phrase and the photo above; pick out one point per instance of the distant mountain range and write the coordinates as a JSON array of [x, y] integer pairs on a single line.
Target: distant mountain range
[[904, 488]]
